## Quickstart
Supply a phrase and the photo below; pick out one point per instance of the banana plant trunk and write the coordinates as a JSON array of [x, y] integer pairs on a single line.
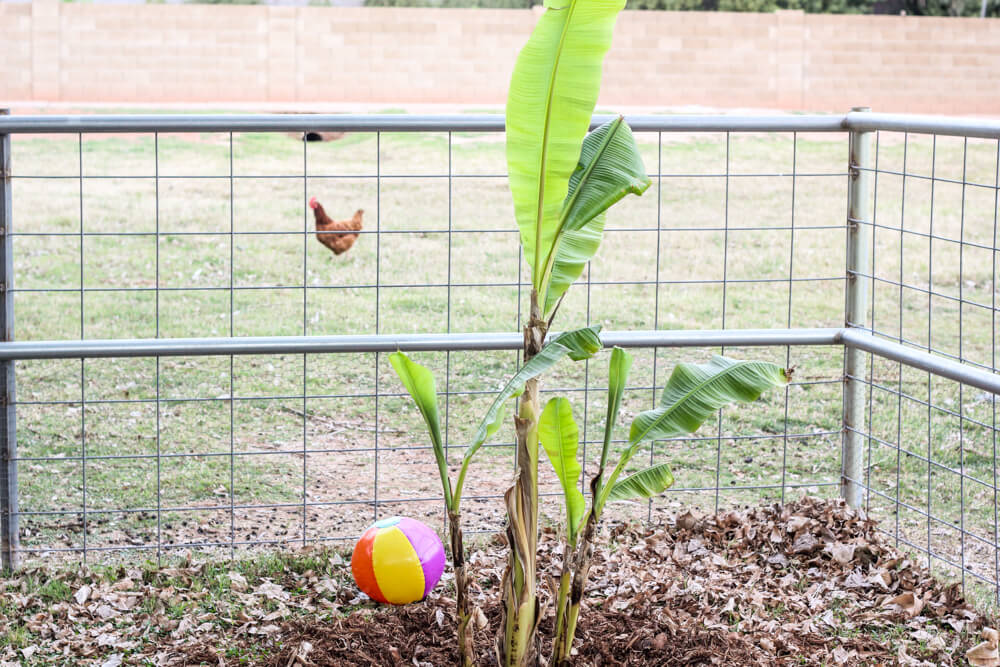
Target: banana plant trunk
[[569, 612], [516, 646], [464, 616]]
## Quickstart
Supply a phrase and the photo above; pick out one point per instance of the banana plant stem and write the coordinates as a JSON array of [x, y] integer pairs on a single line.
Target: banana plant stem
[[582, 555], [466, 650], [516, 647], [563, 598]]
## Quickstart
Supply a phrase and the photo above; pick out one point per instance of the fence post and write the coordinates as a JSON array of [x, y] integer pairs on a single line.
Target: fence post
[[9, 538], [858, 213]]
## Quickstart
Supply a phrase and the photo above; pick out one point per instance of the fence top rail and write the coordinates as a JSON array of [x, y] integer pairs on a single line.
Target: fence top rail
[[862, 121], [394, 123], [169, 347], [855, 120]]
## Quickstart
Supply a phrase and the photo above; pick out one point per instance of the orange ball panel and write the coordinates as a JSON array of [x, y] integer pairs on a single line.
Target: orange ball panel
[[363, 568]]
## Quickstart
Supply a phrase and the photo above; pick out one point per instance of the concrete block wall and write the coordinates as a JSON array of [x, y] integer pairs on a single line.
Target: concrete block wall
[[57, 52], [15, 52]]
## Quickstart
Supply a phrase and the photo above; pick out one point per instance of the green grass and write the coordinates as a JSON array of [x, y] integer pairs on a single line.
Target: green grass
[[254, 463]]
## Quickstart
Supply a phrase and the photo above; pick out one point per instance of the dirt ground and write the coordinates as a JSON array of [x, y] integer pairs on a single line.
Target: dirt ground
[[808, 583]]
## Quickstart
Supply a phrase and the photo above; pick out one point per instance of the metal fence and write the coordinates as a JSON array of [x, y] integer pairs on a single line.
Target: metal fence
[[195, 372]]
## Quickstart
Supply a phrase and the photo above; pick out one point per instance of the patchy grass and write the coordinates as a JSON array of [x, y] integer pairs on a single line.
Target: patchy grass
[[819, 585], [223, 233], [134, 609]]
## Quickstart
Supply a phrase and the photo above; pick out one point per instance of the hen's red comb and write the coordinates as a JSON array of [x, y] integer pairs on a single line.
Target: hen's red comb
[[313, 203]]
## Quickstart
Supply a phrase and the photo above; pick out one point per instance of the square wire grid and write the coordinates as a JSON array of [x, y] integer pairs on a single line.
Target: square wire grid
[[931, 443], [229, 454]]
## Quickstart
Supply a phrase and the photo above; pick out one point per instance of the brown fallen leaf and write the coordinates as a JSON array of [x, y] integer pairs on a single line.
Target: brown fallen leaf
[[238, 582], [796, 523], [911, 604], [82, 594], [842, 553], [985, 654], [804, 543], [688, 520], [114, 660], [272, 591], [841, 656]]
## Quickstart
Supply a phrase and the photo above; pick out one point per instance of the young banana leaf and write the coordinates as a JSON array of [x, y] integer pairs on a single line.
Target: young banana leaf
[[560, 438], [610, 167], [577, 345], [552, 95], [618, 368], [419, 383], [644, 484], [693, 393]]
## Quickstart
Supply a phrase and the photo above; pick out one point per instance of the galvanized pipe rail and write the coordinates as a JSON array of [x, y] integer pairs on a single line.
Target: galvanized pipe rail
[[859, 208], [851, 338], [394, 123], [855, 121], [444, 342], [9, 532]]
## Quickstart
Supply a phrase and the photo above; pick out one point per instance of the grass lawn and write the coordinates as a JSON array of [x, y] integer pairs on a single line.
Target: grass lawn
[[220, 226]]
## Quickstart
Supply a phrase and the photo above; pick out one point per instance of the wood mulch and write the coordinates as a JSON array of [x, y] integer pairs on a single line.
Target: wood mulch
[[807, 583], [810, 583]]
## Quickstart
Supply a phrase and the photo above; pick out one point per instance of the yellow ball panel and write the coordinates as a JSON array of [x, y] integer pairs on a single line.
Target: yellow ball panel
[[398, 571]]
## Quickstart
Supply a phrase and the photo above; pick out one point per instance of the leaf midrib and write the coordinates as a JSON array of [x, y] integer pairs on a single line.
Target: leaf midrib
[[545, 141]]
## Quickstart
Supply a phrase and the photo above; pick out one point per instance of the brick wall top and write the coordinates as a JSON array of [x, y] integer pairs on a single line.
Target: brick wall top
[[231, 53]]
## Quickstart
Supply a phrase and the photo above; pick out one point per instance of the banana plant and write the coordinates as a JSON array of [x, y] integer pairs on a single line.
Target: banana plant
[[692, 394], [562, 181], [419, 383]]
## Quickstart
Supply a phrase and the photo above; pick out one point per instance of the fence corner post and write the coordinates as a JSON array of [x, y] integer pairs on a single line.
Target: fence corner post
[[859, 218], [9, 533]]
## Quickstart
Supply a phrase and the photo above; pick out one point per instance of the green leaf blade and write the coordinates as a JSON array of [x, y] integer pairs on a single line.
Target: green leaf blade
[[560, 438], [618, 368], [579, 344], [610, 167], [575, 249], [419, 383], [695, 391], [552, 94], [643, 484]]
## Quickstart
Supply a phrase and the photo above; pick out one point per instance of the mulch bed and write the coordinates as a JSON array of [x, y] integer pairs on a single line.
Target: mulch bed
[[808, 583]]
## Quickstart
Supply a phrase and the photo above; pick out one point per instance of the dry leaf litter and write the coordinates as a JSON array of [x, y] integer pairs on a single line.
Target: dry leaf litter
[[808, 583]]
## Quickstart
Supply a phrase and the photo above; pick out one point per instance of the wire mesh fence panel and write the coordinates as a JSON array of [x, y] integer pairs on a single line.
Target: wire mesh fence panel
[[160, 234], [931, 459]]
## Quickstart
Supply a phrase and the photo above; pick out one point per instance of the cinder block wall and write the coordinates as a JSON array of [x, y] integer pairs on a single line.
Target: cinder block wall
[[52, 51]]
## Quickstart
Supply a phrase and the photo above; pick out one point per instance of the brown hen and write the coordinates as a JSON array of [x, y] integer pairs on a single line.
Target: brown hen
[[335, 234]]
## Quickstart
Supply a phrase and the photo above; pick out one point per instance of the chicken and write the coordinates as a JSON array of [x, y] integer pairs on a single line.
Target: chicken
[[333, 233]]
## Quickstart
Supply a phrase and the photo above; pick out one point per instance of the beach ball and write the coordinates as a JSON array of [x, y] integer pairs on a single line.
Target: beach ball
[[397, 560]]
